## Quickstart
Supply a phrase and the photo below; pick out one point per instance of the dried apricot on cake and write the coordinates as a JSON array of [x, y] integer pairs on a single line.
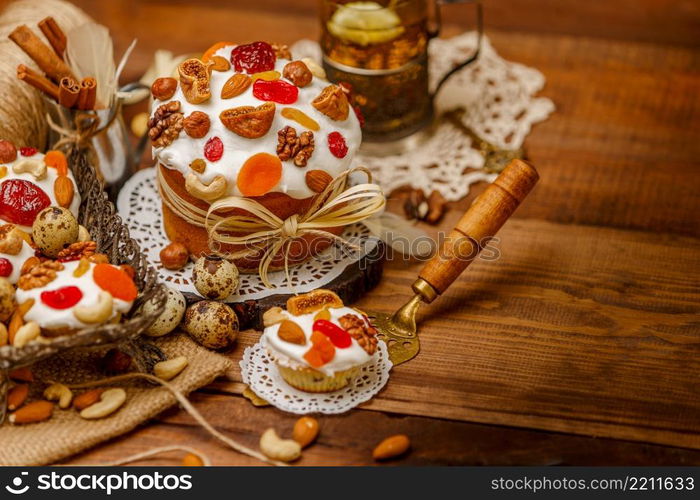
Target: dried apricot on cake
[[259, 174], [115, 281], [57, 160], [313, 301]]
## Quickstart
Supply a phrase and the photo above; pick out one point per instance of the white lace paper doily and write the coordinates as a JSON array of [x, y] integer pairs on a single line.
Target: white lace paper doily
[[499, 103], [139, 205], [260, 373]]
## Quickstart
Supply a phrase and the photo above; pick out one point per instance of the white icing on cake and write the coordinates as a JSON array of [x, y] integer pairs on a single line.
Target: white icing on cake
[[292, 355], [237, 149], [50, 318], [46, 184], [18, 260]]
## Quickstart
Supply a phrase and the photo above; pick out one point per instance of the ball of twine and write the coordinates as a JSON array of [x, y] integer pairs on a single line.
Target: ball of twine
[[22, 108]]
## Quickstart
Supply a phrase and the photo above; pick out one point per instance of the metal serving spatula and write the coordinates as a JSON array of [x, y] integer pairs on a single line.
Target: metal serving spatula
[[490, 210]]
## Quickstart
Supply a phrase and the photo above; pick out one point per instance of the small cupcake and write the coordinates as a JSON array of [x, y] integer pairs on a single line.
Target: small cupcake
[[318, 344]]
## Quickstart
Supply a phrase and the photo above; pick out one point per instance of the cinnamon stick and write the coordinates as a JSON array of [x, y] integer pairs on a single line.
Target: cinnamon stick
[[88, 93], [37, 81], [40, 53], [68, 91], [54, 34]]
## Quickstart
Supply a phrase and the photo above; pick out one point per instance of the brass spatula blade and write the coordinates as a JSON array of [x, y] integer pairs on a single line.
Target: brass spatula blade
[[401, 344]]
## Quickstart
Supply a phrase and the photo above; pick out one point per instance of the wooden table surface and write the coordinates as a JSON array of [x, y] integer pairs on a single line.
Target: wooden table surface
[[581, 345]]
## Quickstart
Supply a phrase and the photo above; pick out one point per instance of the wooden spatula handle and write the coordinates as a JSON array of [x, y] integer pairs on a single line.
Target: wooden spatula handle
[[480, 222]]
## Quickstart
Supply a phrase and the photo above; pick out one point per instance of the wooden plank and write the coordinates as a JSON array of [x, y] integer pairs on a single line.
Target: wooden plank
[[573, 329], [349, 439]]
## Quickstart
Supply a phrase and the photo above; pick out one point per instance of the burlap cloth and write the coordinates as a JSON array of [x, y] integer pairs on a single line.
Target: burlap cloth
[[66, 434]]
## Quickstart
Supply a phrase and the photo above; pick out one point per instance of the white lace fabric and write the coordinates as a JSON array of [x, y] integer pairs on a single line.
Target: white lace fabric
[[261, 374]]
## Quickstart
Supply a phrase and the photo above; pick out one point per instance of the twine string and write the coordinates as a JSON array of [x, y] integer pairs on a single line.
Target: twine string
[[187, 406], [257, 229]]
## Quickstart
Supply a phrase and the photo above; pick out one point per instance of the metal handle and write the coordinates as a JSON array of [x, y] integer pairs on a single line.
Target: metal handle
[[479, 33]]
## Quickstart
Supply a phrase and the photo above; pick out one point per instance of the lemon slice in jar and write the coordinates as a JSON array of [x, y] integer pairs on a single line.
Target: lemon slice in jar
[[365, 23]]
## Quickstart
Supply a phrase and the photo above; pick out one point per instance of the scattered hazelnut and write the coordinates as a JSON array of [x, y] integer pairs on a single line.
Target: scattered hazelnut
[[197, 124], [116, 361], [298, 73], [174, 256], [212, 324], [214, 277], [54, 229], [8, 152], [164, 88], [170, 317]]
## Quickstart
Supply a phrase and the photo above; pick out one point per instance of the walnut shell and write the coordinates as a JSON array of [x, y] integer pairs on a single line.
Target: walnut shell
[[248, 121], [212, 324]]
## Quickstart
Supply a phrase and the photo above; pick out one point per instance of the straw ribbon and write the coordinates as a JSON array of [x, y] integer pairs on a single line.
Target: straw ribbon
[[260, 230]]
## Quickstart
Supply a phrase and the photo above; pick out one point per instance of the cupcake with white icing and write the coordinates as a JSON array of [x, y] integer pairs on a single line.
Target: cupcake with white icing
[[248, 121], [318, 344], [68, 296]]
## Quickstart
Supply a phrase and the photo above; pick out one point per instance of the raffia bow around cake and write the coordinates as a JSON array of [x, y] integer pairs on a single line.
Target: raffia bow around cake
[[259, 229]]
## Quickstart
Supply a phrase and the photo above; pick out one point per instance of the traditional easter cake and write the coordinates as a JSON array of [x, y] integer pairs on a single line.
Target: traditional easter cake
[[248, 121], [319, 345]]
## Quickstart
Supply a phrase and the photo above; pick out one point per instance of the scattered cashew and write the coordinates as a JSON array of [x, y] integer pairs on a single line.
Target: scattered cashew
[[166, 370], [59, 392], [215, 189], [314, 67], [285, 450], [33, 166], [83, 233], [97, 313], [26, 333], [110, 401]]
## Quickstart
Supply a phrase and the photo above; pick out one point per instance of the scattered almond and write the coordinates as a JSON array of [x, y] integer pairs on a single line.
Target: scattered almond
[[291, 332], [235, 86], [63, 191], [318, 180], [36, 411], [164, 88], [305, 431], [17, 396], [192, 460], [88, 398], [23, 374], [391, 447]]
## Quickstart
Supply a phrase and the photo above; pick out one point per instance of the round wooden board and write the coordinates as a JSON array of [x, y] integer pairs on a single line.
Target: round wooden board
[[353, 283]]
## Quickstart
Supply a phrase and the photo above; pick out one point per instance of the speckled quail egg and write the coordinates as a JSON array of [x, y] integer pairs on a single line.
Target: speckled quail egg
[[54, 229], [7, 299], [213, 324], [171, 316], [214, 277]]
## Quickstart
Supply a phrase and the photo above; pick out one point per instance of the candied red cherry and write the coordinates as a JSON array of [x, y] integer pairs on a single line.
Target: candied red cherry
[[214, 149], [21, 201], [359, 115], [27, 151], [5, 267], [62, 298], [337, 145], [338, 337], [254, 57], [276, 91]]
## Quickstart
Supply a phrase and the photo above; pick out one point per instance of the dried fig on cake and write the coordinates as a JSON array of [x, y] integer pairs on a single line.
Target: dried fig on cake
[[333, 103], [197, 124], [248, 121], [163, 88], [194, 80]]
